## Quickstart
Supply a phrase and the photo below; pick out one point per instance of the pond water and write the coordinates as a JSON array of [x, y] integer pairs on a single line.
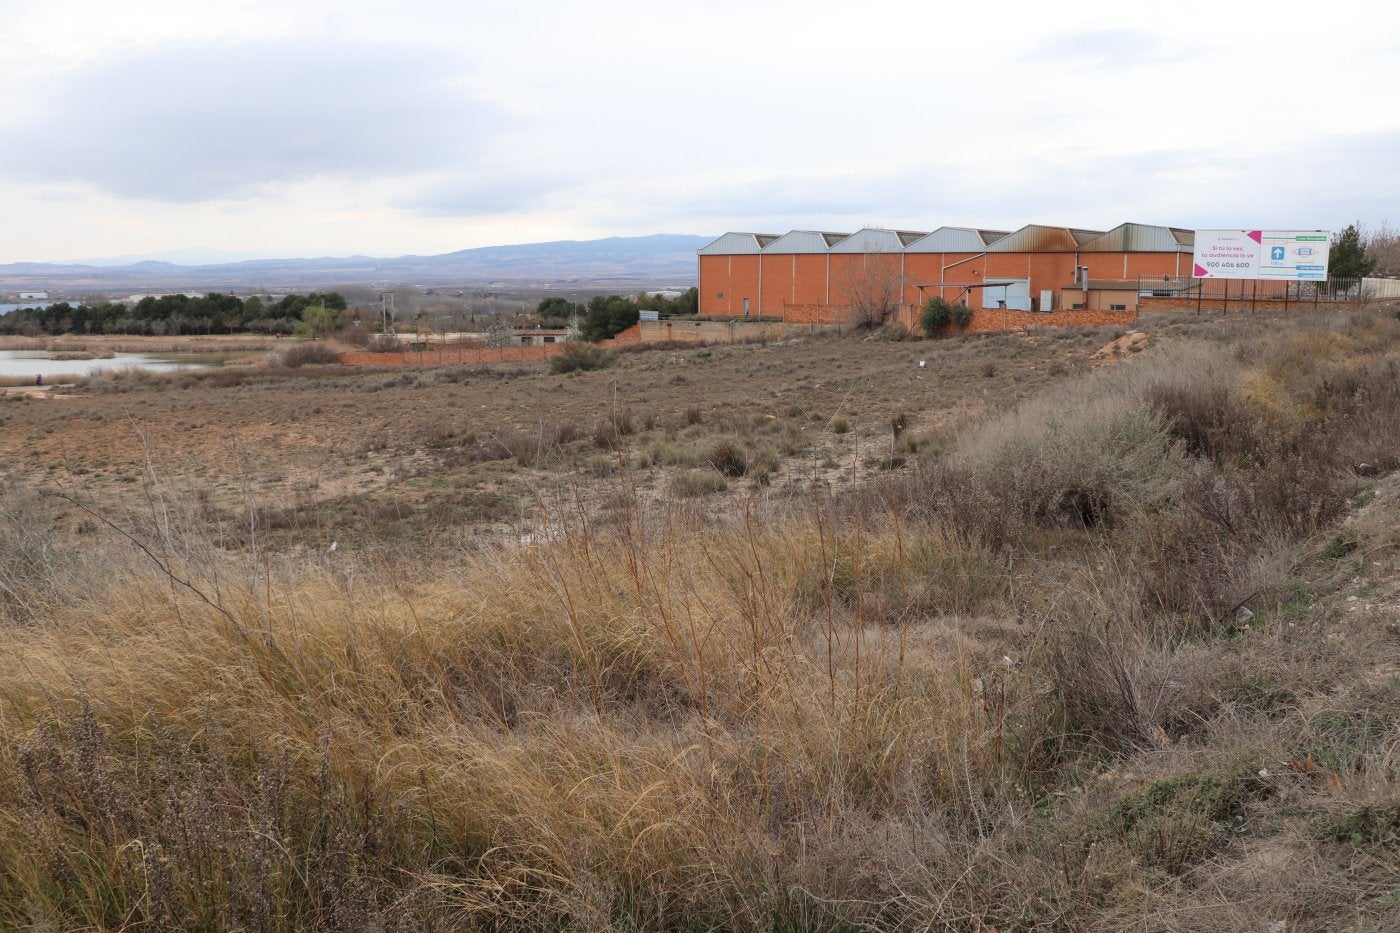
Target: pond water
[[31, 363]]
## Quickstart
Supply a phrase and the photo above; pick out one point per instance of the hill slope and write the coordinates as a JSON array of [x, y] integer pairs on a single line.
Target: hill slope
[[660, 259]]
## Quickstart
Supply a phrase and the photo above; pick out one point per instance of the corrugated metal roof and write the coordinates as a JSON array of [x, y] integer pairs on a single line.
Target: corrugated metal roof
[[734, 244], [876, 240], [1035, 238], [804, 241], [955, 240], [1142, 238], [1032, 238]]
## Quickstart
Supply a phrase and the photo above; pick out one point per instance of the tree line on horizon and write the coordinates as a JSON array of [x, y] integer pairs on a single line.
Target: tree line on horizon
[[177, 315], [312, 314]]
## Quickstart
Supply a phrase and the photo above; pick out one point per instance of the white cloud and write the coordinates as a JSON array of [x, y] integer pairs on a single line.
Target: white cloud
[[200, 123], [342, 126]]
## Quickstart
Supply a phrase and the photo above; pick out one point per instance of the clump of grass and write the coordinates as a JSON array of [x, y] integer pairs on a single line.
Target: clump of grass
[[1174, 823], [840, 425], [692, 483]]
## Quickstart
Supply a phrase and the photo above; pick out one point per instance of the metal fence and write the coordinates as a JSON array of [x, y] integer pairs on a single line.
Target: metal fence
[[1247, 293]]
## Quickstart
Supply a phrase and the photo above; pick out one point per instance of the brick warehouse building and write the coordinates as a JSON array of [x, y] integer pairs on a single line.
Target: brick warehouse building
[[812, 275]]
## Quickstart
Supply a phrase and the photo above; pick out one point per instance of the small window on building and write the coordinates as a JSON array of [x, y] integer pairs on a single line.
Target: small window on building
[[719, 294], [1078, 306], [548, 338], [1117, 307], [526, 339]]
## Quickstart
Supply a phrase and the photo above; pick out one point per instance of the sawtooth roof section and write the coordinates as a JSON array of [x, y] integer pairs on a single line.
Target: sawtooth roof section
[[804, 241], [1143, 238], [877, 240], [955, 240], [1035, 238], [734, 244]]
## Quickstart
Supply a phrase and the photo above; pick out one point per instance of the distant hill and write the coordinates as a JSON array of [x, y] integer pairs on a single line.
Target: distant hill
[[659, 259]]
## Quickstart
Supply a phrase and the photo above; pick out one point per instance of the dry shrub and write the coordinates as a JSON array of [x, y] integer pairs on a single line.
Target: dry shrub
[[728, 458], [609, 432], [1081, 459], [355, 335], [312, 353], [905, 577], [1203, 412], [1110, 666], [1189, 565], [691, 483]]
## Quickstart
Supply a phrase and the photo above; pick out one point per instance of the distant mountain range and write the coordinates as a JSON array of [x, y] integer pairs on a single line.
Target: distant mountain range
[[658, 260]]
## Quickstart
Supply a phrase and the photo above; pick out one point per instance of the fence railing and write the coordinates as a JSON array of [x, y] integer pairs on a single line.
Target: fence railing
[[1247, 292]]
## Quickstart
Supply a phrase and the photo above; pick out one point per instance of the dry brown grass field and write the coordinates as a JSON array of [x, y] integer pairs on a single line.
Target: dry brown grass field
[[800, 636]]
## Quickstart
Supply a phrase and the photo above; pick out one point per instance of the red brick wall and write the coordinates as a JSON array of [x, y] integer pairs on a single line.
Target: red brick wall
[[1131, 265], [816, 314], [725, 281], [996, 320], [629, 337], [921, 269], [1236, 303], [989, 320], [779, 277], [443, 356]]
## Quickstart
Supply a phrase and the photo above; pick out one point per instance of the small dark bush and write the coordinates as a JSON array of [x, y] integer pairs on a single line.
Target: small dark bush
[[578, 356], [728, 458]]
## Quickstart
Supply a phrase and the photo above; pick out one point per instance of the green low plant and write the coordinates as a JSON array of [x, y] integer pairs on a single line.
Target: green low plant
[[936, 316]]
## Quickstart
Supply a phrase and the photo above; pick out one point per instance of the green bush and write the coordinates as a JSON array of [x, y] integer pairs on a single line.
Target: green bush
[[580, 356], [936, 316]]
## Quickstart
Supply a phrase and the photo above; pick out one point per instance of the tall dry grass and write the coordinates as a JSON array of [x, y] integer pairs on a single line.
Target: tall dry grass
[[910, 707]]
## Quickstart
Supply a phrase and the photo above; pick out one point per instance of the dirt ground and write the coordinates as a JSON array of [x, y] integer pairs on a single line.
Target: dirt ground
[[462, 452]]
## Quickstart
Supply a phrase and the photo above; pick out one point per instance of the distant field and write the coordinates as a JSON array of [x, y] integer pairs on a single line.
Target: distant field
[[842, 633]]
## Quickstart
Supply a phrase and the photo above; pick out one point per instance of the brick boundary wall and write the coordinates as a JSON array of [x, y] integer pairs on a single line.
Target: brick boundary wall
[[816, 314], [627, 338], [984, 320], [1151, 305], [445, 356], [1004, 320], [996, 320]]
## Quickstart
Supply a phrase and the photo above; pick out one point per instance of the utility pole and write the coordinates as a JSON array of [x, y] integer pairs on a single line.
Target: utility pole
[[386, 306]]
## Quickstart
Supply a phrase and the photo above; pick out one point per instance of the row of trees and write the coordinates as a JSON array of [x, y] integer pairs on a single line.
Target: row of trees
[[214, 313], [607, 316]]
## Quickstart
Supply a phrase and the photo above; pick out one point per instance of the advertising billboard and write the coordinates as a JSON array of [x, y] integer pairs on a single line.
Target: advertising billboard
[[1291, 255]]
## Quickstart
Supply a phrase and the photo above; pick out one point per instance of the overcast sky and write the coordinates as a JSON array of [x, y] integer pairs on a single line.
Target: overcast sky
[[281, 128]]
